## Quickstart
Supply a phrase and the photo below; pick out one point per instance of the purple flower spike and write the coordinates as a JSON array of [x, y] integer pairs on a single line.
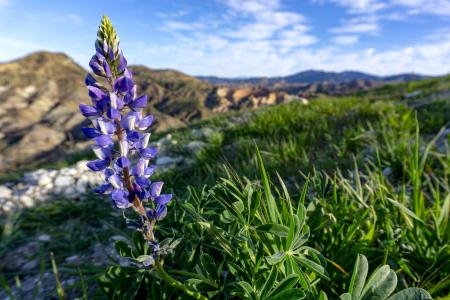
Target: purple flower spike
[[117, 114], [89, 111], [138, 103]]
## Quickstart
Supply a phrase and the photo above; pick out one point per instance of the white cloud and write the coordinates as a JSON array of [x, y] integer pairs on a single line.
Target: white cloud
[[357, 27], [357, 6], [345, 40], [436, 7]]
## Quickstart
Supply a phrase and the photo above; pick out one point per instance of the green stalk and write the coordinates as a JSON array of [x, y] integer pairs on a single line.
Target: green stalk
[[175, 283]]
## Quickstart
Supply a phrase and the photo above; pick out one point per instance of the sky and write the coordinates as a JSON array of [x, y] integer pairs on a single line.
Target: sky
[[241, 38]]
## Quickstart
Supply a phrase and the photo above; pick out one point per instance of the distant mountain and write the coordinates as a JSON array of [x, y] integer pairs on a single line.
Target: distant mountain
[[310, 77]]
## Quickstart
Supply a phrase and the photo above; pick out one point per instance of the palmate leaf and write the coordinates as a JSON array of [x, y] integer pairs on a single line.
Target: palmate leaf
[[380, 285]]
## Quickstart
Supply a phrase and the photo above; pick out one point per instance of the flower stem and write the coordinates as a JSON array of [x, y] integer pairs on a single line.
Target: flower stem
[[175, 283]]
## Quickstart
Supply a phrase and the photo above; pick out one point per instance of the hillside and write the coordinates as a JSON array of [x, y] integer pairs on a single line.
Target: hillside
[[40, 93]]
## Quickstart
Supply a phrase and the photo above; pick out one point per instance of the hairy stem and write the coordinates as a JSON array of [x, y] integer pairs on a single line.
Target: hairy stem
[[175, 283]]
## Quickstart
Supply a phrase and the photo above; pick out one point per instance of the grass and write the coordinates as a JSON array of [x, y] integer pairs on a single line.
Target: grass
[[372, 178]]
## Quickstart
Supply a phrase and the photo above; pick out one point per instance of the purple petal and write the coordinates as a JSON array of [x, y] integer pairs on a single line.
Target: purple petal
[[96, 93], [124, 147], [90, 80], [148, 153], [103, 140], [102, 105], [163, 199], [104, 188], [95, 66], [115, 181], [138, 103], [145, 122], [161, 212], [116, 102], [143, 141], [139, 168], [108, 173], [97, 165], [155, 189], [128, 122], [122, 62], [133, 136], [142, 181], [113, 113], [120, 199], [123, 162], [89, 111], [149, 171], [90, 133], [111, 54], [103, 153], [123, 84], [106, 127]]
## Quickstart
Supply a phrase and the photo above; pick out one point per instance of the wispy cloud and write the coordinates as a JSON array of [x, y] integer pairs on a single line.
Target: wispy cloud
[[345, 40], [436, 7], [357, 27]]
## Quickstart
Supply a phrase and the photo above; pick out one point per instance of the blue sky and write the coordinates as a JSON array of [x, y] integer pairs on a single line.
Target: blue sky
[[241, 37]]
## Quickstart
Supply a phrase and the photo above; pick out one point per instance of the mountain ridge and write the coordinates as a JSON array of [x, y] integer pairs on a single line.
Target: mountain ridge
[[310, 77]]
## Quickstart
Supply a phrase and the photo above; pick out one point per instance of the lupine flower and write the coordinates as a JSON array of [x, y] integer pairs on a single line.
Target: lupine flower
[[118, 132]]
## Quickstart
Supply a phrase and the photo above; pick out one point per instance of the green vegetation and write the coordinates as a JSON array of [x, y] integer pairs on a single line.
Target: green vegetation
[[336, 178]]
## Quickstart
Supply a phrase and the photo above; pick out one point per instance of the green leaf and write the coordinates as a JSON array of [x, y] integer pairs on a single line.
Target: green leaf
[[248, 290], [345, 296], [209, 265], [276, 229], [287, 283], [270, 201], [375, 280], [359, 277], [411, 294], [123, 249], [384, 288], [275, 258], [270, 283], [323, 296], [292, 294]]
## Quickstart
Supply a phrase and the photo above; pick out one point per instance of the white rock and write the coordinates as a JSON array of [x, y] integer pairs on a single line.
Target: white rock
[[45, 180], [26, 201], [8, 206], [5, 192], [63, 181]]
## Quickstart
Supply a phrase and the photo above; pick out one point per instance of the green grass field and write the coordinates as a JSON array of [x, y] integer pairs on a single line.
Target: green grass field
[[371, 171]]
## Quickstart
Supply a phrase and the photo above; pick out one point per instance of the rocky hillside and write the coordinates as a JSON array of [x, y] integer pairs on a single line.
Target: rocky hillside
[[39, 116]]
